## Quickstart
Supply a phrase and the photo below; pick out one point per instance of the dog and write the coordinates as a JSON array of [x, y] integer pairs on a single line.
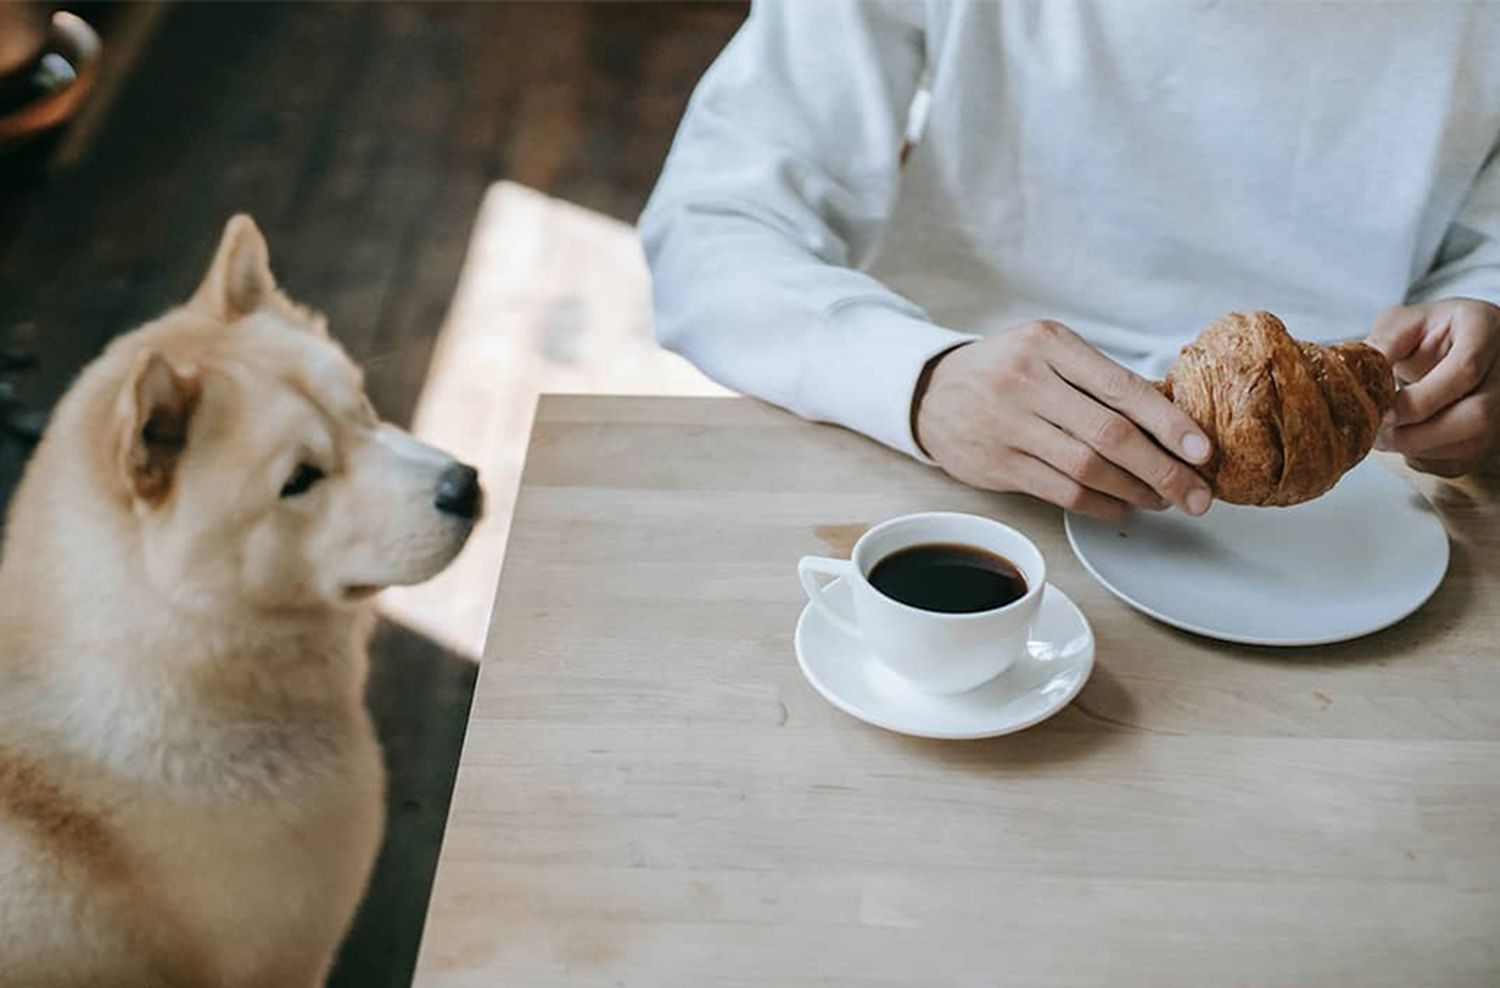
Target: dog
[[191, 790]]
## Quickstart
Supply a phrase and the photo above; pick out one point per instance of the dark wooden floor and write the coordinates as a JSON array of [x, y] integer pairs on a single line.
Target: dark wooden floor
[[362, 138]]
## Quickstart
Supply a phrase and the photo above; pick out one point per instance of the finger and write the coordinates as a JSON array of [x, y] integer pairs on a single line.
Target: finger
[[1414, 338], [1454, 359], [1428, 354], [1440, 468], [1067, 454], [1459, 373], [1089, 370], [1039, 479], [1469, 452], [1120, 441], [1466, 420], [1398, 331]]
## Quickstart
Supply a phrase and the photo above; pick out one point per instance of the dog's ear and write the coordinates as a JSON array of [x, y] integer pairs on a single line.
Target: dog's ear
[[156, 409], [239, 281]]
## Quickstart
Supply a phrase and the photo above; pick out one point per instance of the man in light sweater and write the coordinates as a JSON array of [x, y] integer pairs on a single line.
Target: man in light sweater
[[1091, 185]]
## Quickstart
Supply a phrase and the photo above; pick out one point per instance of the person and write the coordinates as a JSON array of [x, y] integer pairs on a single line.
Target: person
[[972, 230]]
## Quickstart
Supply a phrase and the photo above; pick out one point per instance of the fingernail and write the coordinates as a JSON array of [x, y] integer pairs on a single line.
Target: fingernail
[[1197, 501], [1195, 447], [1383, 439], [1388, 421]]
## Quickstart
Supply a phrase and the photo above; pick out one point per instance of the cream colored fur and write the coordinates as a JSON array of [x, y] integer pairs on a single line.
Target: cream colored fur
[[191, 792]]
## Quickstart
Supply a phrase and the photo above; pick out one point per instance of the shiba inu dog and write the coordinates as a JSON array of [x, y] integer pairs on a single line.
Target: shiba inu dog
[[191, 792]]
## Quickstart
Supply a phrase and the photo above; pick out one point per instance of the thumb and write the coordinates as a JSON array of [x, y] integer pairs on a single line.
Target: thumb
[[1398, 331]]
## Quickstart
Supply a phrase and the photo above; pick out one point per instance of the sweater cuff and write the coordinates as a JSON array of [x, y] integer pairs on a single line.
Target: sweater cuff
[[1479, 283], [862, 370]]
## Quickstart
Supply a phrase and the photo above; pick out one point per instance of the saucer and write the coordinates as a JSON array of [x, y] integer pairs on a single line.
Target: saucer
[[1354, 561], [1057, 663]]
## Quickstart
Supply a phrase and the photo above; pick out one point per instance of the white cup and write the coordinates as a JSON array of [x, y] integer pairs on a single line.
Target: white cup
[[936, 652]]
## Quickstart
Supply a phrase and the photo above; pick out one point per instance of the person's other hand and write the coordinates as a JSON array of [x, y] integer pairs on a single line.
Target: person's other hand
[[1038, 410], [1447, 353]]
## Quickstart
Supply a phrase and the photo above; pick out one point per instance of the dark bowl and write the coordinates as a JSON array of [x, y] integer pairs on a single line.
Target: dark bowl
[[56, 84]]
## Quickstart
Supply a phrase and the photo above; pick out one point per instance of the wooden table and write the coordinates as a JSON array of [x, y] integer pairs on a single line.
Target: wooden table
[[650, 794]]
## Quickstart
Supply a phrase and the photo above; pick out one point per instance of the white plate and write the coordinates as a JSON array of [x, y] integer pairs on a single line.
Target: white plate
[[1059, 659], [1356, 560]]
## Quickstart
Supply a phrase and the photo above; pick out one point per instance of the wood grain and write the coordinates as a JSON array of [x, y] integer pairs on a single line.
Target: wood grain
[[651, 795]]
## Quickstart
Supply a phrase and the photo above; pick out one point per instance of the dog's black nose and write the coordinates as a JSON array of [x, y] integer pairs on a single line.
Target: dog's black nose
[[458, 491]]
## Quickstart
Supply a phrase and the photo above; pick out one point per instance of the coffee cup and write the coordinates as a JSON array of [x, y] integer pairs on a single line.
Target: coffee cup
[[945, 645]]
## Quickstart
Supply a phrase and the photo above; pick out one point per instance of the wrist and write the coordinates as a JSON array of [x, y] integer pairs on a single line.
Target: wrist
[[923, 385]]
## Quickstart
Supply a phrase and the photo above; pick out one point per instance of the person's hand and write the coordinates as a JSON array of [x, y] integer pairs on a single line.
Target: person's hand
[[1038, 410], [1447, 353]]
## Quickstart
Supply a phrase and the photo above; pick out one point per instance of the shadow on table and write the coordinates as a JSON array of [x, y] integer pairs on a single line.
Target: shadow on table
[[1076, 733], [419, 695]]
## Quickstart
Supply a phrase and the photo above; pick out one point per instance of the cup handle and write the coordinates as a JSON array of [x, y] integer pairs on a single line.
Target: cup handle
[[809, 568]]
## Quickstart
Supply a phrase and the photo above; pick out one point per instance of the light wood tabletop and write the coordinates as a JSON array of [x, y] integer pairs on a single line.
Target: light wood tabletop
[[651, 795]]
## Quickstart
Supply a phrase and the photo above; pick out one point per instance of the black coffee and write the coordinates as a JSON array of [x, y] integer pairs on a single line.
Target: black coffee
[[948, 577]]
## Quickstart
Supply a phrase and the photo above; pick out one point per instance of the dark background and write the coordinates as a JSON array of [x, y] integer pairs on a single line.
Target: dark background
[[361, 137]]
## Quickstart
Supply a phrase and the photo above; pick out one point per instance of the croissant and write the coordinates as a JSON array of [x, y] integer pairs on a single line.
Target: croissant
[[1286, 418]]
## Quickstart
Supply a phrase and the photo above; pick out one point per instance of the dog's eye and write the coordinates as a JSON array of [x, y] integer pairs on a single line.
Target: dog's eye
[[302, 480]]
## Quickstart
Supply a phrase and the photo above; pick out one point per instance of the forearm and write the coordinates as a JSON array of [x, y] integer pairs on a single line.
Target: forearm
[[776, 191], [1467, 264], [770, 319]]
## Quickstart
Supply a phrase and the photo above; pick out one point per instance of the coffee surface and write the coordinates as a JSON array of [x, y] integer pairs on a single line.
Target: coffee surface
[[948, 577]]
